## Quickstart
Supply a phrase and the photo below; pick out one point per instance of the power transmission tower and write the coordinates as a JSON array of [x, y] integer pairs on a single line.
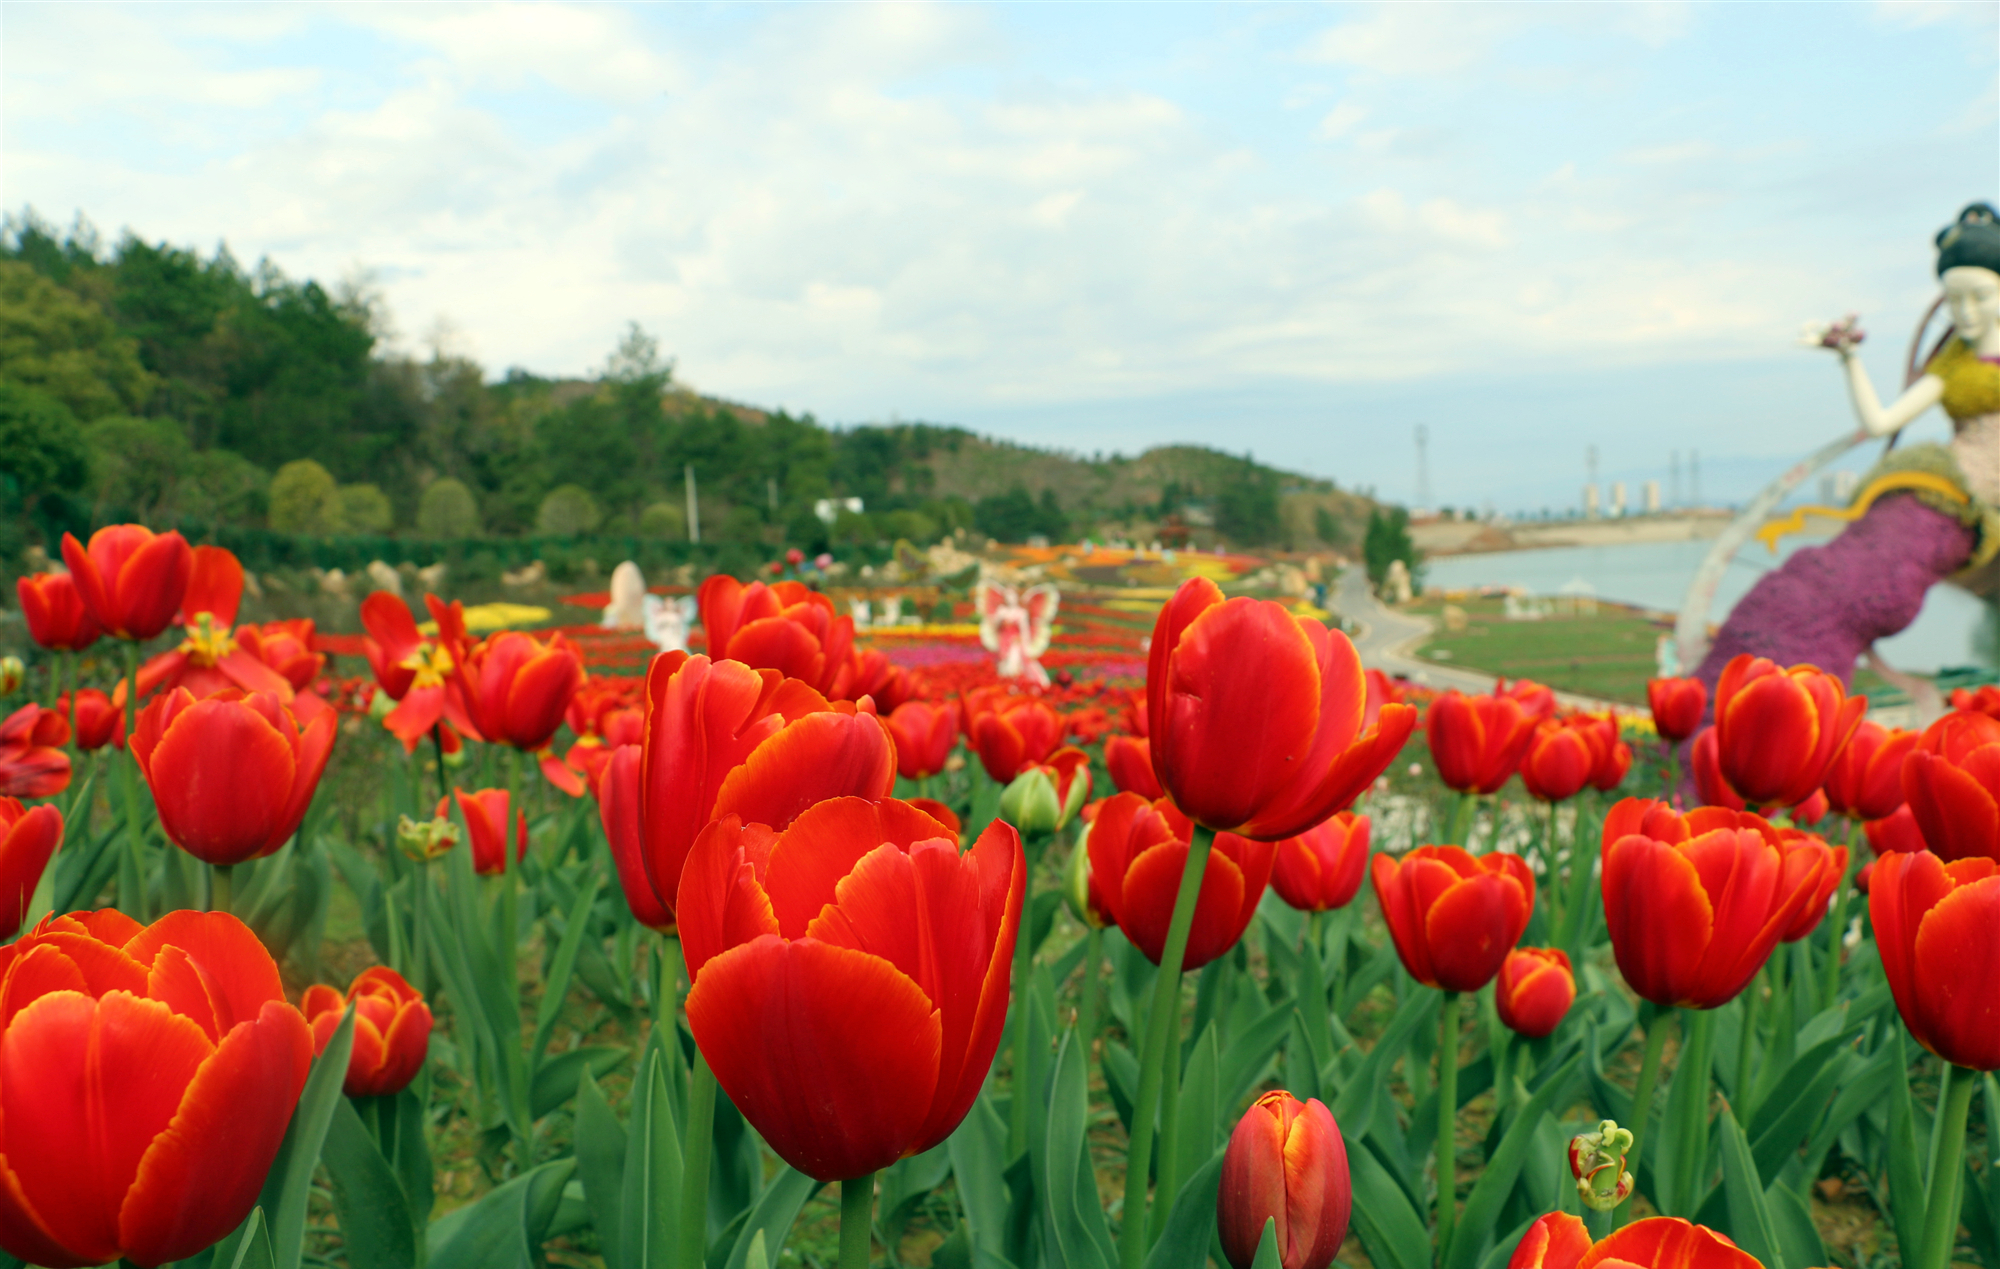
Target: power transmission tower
[[1423, 466]]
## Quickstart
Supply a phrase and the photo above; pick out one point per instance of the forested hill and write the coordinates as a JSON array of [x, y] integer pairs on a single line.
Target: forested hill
[[146, 381]]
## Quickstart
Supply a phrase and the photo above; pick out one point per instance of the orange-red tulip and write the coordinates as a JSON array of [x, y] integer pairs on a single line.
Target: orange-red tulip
[[232, 775], [925, 733], [1677, 706], [1696, 902], [1831, 862], [487, 823], [422, 675], [27, 839], [618, 785], [54, 611], [1952, 781], [518, 688], [1285, 1163], [98, 721], [1477, 742], [1537, 699], [870, 673], [1614, 756], [850, 976], [1896, 832], [147, 1076], [725, 739], [1705, 764], [1321, 869], [209, 658], [1559, 760], [1865, 781], [1129, 760], [1138, 850], [287, 647], [131, 579], [1560, 1241], [392, 1030], [1535, 989], [1934, 924], [1454, 916], [1778, 730], [32, 765], [1256, 715], [785, 626], [1013, 734], [1382, 690]]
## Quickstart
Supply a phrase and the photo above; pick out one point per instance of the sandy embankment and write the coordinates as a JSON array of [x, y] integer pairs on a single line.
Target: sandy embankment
[[1462, 537]]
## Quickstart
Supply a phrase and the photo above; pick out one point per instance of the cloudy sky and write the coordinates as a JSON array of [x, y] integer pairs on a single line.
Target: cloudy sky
[[1296, 230]]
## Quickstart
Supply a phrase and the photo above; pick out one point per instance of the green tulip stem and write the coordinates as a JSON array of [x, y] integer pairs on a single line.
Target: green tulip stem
[[1829, 985], [1696, 1063], [1162, 1021], [133, 903], [1461, 817], [1752, 997], [1655, 1023], [1086, 1009], [437, 746], [1576, 912], [695, 1167], [222, 879], [1941, 1216], [1447, 1149], [857, 1202], [420, 884], [1024, 964]]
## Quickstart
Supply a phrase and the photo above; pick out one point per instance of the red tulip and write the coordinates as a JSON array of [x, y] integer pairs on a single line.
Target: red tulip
[[1705, 764], [1538, 700], [1952, 781], [486, 823], [1778, 730], [925, 734], [1012, 737], [1477, 742], [870, 673], [1454, 916], [618, 786], [1535, 990], [1287, 1164], [1558, 762], [232, 775], [54, 611], [724, 739], [392, 1030], [518, 688], [1894, 833], [1934, 924], [1046, 796], [98, 721], [1613, 755], [1129, 759], [1677, 706], [32, 764], [1831, 865], [131, 580], [286, 647], [27, 839], [1559, 1241], [1983, 700], [1256, 715], [1321, 868], [422, 674], [1695, 903], [209, 659], [785, 627], [1865, 781], [147, 1076], [850, 976], [1382, 690], [1138, 850]]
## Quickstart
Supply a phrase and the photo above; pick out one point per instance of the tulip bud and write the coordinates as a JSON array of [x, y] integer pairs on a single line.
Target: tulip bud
[[1535, 989], [454, 758], [1048, 795], [1597, 1161], [426, 839], [1285, 1162], [1076, 885], [11, 674], [392, 1030], [380, 705]]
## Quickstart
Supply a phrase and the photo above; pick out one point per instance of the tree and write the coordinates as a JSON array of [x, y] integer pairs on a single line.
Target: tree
[[448, 511], [364, 509], [304, 499], [664, 520], [40, 447], [1246, 506], [1388, 540], [58, 342], [1327, 528], [568, 511], [138, 465]]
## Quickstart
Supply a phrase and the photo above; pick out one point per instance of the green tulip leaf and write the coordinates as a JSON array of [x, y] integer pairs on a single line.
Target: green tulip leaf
[[1482, 1207], [253, 1249], [1392, 1231], [1750, 1221], [1190, 1224], [1268, 1255], [556, 1082], [368, 1202], [769, 1221], [977, 1148], [600, 1163], [505, 1229]]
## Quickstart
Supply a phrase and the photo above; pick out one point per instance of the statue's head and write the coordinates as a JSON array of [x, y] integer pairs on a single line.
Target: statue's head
[[1969, 266]]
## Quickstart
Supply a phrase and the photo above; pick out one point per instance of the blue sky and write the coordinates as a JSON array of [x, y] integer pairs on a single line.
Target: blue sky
[[1296, 230]]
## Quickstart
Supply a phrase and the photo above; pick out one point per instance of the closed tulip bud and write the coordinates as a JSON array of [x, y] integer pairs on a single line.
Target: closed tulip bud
[[1080, 888], [1895, 833], [487, 825], [147, 1076], [1256, 715], [1597, 1161], [27, 839], [1677, 706], [392, 1030], [1778, 730], [1478, 742], [1045, 797], [54, 611], [131, 580], [1558, 763], [232, 775], [1454, 916], [1831, 862], [1286, 1163], [925, 734], [1705, 764], [11, 674], [1866, 781], [518, 688], [1934, 924], [1535, 990], [1560, 1241], [98, 721], [1129, 760], [1952, 781], [1014, 735], [1138, 851], [1321, 869], [425, 839]]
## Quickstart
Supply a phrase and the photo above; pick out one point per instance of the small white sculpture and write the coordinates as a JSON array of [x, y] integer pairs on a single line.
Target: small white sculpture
[[858, 610], [1018, 625], [627, 609], [385, 578], [666, 621]]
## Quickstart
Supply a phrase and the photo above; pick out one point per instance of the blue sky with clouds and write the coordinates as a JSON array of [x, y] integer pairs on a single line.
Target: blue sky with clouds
[[1296, 230]]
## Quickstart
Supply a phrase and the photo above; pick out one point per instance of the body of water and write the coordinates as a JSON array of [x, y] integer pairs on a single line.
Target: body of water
[[1656, 575]]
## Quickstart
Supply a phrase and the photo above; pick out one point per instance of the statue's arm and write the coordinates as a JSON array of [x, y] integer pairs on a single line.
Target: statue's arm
[[1880, 419]]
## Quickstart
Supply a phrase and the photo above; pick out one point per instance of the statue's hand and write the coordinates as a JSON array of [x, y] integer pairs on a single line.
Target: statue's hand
[[1841, 336]]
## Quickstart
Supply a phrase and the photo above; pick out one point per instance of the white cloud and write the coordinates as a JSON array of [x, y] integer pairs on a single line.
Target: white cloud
[[1341, 120]]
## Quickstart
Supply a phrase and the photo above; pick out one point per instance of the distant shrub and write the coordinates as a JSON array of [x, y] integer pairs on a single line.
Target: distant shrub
[[568, 511], [303, 499], [663, 520], [364, 509], [447, 510]]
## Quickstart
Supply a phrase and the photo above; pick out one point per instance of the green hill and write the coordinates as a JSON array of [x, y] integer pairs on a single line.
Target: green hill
[[146, 381]]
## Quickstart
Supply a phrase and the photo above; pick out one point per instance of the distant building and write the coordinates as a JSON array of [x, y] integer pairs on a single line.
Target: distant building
[[1652, 497], [1590, 502], [1617, 497]]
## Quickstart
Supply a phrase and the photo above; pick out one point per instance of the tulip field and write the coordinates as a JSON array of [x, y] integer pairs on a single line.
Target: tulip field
[[416, 948]]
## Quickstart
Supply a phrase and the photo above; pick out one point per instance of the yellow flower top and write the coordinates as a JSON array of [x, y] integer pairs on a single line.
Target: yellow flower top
[[1971, 384], [207, 643], [431, 661]]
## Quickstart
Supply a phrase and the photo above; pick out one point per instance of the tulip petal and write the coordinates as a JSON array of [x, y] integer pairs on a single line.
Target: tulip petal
[[1148, 906], [1901, 893], [821, 756], [1660, 918], [149, 588], [1472, 927], [1959, 977], [221, 777], [203, 1174], [62, 961], [825, 844], [239, 973], [831, 1054], [773, 643]]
